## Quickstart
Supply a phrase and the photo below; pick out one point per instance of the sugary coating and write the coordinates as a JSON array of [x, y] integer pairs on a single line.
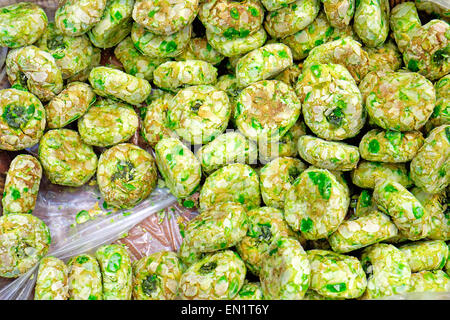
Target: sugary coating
[[316, 204], [108, 122], [199, 113], [371, 21], [265, 225], [277, 177], [430, 168], [230, 147], [217, 227], [387, 56], [52, 282], [441, 112], [21, 185], [216, 277], [113, 83], [35, 69], [231, 19], [404, 22], [156, 276], [362, 231], [134, 62], [365, 203], [272, 5], [165, 17], [114, 25], [292, 276], [126, 175], [436, 205], [200, 49], [335, 275], [425, 255], [266, 110], [160, 46], [73, 55], [66, 159], [435, 9], [366, 173], [286, 146], [405, 210], [76, 17], [85, 278], [339, 12], [315, 34], [69, 105], [427, 51], [173, 74], [117, 274], [21, 24], [263, 63], [346, 51], [387, 270], [390, 146], [250, 291], [24, 240], [179, 167], [429, 281], [236, 46], [232, 183], [400, 101], [22, 120], [292, 18], [154, 126], [328, 154]]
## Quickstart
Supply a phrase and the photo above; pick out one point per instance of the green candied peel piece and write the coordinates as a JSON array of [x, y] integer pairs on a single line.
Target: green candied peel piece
[[404, 22], [52, 282], [292, 18], [113, 83], [165, 17], [66, 159], [179, 167], [365, 203], [277, 177], [69, 105], [21, 24], [232, 183], [371, 21], [335, 275], [227, 148], [390, 146], [265, 225], [76, 17], [429, 281], [250, 291], [430, 167], [22, 119], [293, 271], [35, 69], [405, 210], [219, 276], [425, 255], [266, 110], [231, 19], [117, 273], [24, 240], [387, 269], [316, 191], [107, 123], [21, 185], [157, 276], [263, 63], [126, 175], [218, 227], [173, 74], [405, 106], [327, 154], [198, 114], [85, 278], [367, 172]]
